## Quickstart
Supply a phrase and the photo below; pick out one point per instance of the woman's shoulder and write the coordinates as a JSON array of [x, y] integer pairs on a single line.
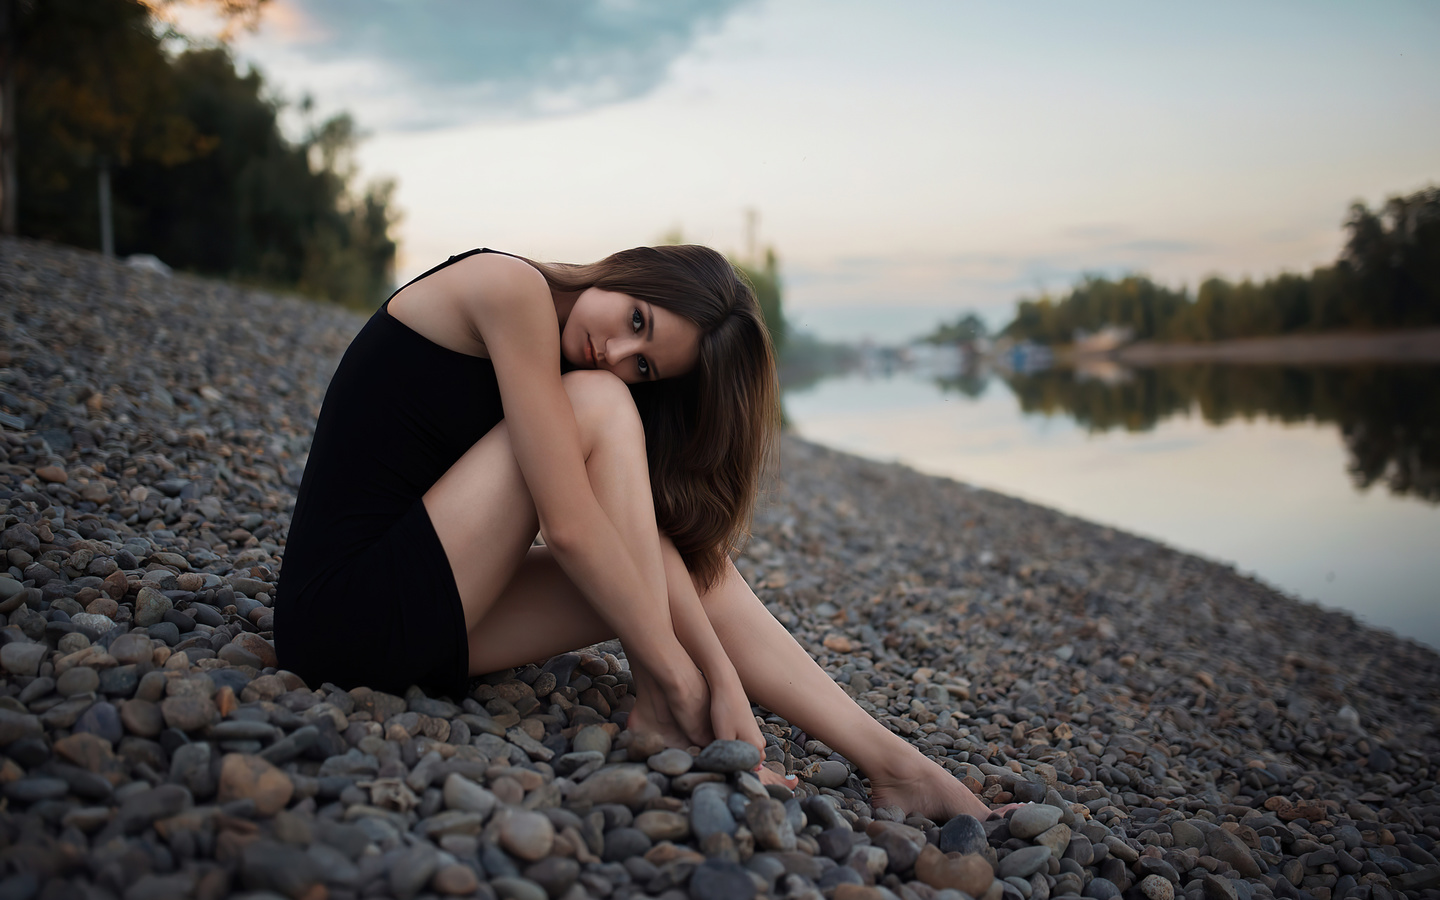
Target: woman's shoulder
[[490, 275]]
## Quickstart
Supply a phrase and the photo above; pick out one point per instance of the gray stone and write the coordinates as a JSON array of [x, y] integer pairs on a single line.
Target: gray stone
[[516, 888], [150, 607], [728, 756], [528, 835], [1024, 862], [709, 814], [140, 809], [93, 622], [623, 843], [102, 720], [16, 726], [22, 657], [272, 866], [461, 793], [412, 870], [671, 762], [827, 773], [77, 680], [1032, 819], [34, 788], [963, 834], [623, 784], [720, 879], [554, 873]]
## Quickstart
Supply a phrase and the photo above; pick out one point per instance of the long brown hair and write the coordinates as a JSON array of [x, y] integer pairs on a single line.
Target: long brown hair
[[709, 434]]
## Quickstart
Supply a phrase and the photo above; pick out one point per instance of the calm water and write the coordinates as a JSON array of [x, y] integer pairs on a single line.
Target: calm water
[[1323, 482]]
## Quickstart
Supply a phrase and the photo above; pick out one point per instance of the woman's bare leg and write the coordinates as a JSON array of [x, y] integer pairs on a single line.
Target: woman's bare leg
[[485, 518], [779, 675]]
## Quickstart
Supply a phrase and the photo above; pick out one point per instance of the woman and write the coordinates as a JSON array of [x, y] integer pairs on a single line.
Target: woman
[[449, 438]]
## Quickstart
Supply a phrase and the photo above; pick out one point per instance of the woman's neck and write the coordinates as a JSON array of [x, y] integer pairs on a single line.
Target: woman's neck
[[564, 303]]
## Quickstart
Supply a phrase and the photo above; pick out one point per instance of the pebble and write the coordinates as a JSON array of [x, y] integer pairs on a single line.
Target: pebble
[[719, 879], [728, 756], [827, 773], [247, 777], [512, 888], [22, 658], [621, 784], [963, 834], [1032, 819], [412, 870], [709, 814], [1024, 862], [79, 680], [968, 873], [671, 762], [1154, 887], [592, 739], [525, 834]]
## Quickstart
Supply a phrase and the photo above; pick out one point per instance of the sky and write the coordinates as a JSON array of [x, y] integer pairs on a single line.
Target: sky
[[907, 161]]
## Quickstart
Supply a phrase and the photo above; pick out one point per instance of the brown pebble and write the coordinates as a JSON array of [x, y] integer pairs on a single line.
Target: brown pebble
[[103, 606], [456, 880], [188, 712], [243, 776], [142, 717], [52, 474]]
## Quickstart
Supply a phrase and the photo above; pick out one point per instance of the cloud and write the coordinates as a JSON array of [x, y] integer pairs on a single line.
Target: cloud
[[459, 60]]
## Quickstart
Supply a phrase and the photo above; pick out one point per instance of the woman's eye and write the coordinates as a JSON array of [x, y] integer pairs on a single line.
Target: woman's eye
[[643, 364], [636, 320]]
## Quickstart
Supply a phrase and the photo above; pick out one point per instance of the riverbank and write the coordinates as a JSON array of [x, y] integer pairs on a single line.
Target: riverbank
[[1186, 730], [1417, 346]]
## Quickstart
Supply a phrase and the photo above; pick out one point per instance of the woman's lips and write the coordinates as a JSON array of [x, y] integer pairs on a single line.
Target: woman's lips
[[589, 352]]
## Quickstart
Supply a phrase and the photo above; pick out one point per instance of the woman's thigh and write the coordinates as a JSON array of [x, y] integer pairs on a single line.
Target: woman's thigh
[[538, 614], [485, 518]]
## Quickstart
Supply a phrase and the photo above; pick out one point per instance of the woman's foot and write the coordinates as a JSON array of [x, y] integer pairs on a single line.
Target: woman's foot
[[921, 787], [657, 712], [769, 777]]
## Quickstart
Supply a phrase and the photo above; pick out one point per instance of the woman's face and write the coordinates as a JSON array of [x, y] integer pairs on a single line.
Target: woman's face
[[636, 340]]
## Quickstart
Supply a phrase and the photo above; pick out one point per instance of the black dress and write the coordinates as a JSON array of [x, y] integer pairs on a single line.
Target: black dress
[[366, 594]]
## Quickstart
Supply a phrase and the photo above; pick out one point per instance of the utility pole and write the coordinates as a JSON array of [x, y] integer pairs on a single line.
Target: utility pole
[[107, 228], [752, 225], [9, 180]]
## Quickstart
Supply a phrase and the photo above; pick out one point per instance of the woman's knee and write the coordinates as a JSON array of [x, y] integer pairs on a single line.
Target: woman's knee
[[604, 409]]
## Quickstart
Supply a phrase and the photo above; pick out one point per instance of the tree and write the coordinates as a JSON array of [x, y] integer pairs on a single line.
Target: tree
[[92, 69], [202, 175], [965, 330]]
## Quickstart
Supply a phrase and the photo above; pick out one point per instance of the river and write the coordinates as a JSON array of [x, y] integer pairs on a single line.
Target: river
[[1322, 482]]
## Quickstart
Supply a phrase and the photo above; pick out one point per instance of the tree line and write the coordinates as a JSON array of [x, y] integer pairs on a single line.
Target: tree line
[[121, 134], [1387, 277]]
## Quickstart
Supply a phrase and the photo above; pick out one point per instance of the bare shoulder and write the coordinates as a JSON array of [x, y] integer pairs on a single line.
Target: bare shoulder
[[456, 306], [488, 285]]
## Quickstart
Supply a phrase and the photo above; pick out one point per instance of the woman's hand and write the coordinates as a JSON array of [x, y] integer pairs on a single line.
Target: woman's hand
[[732, 720]]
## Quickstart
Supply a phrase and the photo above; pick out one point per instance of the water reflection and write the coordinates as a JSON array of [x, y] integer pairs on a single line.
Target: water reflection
[[1388, 416]]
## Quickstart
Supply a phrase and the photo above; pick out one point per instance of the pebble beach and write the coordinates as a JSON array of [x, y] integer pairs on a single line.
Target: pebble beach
[[1176, 729]]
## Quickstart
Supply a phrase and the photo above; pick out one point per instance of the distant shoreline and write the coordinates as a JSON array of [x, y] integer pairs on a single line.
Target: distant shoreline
[[1421, 345]]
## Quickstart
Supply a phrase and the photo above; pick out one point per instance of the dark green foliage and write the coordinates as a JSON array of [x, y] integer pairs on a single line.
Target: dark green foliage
[[968, 328], [1387, 277], [1389, 416], [202, 178], [766, 282]]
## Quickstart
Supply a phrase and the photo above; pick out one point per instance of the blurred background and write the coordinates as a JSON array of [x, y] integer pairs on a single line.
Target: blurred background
[[1171, 268]]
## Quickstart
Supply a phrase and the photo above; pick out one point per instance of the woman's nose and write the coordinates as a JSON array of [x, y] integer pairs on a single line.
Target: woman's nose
[[617, 349]]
